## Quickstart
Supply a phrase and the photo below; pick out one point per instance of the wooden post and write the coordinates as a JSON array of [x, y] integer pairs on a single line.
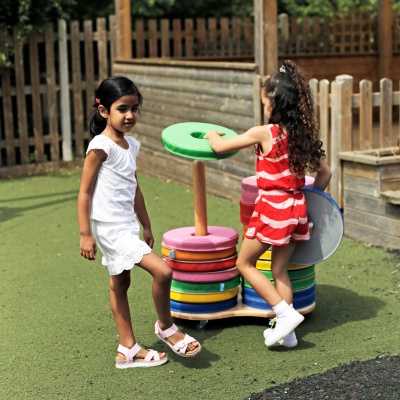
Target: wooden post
[[334, 144], [385, 38], [342, 91], [200, 198], [124, 29], [345, 112], [64, 92], [266, 36]]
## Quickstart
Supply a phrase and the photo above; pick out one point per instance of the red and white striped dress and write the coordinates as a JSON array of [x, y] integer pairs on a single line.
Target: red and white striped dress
[[280, 212]]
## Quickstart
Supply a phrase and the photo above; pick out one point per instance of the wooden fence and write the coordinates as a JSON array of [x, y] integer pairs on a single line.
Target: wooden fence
[[47, 98], [347, 32], [45, 106], [347, 123]]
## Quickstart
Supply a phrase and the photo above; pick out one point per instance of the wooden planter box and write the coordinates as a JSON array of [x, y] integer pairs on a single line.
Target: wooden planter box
[[371, 191]]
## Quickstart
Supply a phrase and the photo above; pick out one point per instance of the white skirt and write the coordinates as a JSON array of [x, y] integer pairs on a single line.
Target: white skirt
[[120, 244]]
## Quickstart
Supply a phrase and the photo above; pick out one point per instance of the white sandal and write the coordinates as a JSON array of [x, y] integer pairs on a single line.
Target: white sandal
[[151, 360], [180, 347]]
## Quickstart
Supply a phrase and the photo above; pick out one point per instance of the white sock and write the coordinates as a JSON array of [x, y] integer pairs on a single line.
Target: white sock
[[281, 309]]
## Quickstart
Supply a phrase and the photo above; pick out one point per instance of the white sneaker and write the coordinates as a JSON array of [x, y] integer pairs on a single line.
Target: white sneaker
[[289, 340], [284, 326]]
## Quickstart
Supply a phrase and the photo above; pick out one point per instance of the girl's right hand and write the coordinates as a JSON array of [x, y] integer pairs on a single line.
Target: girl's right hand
[[88, 247]]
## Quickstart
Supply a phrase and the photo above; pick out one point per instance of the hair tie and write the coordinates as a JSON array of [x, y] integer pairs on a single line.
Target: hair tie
[[282, 69], [97, 101]]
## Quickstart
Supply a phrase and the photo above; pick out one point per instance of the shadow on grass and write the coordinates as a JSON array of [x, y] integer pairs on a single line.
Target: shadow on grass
[[334, 306], [8, 213]]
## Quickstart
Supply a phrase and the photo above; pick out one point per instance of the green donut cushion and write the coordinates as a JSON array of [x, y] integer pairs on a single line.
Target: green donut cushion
[[186, 139], [179, 286]]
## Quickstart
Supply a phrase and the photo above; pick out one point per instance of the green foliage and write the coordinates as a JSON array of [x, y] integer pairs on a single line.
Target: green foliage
[[29, 14], [192, 9], [302, 8]]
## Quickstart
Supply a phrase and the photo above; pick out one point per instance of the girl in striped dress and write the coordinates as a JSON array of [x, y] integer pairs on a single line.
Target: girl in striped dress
[[286, 148]]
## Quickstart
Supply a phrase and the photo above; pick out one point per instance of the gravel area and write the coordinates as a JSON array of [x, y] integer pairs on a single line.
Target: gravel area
[[374, 379]]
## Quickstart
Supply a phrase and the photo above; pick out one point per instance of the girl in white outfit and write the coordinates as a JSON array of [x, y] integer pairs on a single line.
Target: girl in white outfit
[[111, 198]]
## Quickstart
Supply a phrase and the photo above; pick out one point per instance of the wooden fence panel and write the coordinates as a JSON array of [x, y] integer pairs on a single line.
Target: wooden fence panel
[[226, 43], [139, 38], [102, 48], [52, 93], [212, 35], [189, 38], [113, 38], [365, 133], [36, 97], [177, 37], [236, 36], [20, 95], [7, 107], [89, 67], [64, 91], [248, 37], [323, 103], [386, 106], [165, 45], [201, 37], [77, 89], [153, 47]]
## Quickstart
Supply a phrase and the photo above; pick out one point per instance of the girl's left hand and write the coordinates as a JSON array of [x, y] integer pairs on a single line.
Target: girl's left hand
[[148, 237]]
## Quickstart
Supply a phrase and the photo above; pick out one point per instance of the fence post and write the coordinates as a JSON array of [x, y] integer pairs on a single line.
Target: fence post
[[334, 143], [386, 113], [284, 28], [65, 106], [342, 92], [323, 113]]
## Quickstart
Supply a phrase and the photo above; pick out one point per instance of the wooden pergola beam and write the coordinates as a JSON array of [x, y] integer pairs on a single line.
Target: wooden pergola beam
[[266, 36], [385, 40], [124, 29]]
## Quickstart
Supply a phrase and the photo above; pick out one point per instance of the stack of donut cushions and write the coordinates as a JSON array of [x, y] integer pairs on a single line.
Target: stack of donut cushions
[[302, 277], [205, 277]]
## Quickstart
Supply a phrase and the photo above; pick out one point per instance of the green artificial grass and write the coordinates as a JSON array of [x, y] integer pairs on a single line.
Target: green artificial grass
[[58, 339]]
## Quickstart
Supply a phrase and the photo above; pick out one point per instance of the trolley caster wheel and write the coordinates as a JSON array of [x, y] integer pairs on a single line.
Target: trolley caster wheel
[[201, 326]]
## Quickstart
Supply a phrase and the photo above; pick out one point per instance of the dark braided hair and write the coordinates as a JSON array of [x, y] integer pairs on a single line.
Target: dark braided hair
[[293, 110], [110, 90]]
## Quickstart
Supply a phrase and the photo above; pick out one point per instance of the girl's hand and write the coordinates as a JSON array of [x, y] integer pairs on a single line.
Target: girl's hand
[[213, 132], [148, 237], [88, 247]]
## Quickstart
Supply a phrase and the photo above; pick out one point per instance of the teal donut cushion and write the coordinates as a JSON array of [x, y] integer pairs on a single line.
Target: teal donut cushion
[[186, 139]]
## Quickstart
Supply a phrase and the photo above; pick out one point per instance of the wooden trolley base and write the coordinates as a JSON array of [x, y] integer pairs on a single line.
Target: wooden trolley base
[[240, 310]]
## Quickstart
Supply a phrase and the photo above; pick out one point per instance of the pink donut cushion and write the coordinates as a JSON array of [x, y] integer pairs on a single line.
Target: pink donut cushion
[[249, 184], [213, 265], [218, 238], [205, 277], [246, 211], [173, 254], [249, 198]]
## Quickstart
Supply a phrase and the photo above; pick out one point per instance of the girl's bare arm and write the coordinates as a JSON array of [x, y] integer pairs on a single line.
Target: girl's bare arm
[[90, 170], [143, 216], [323, 176]]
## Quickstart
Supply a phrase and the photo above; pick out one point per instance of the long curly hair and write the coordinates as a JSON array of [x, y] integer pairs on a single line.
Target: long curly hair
[[293, 111]]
